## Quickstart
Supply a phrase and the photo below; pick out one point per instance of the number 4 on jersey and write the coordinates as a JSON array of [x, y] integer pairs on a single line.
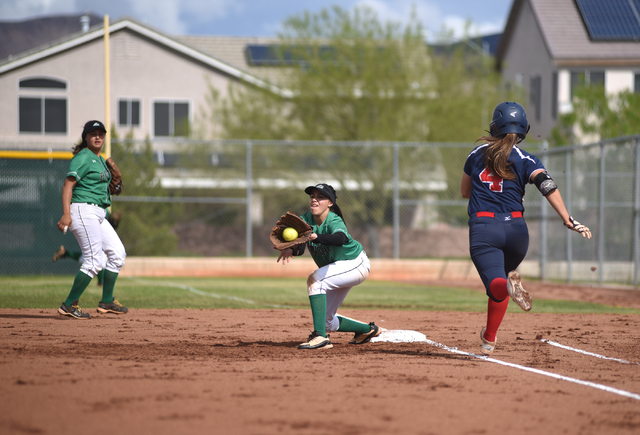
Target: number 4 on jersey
[[494, 181]]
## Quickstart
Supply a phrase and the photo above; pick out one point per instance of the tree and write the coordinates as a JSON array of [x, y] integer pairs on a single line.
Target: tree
[[355, 78], [145, 228], [598, 116]]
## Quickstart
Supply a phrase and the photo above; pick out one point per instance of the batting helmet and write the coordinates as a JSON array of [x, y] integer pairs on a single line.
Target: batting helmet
[[509, 117]]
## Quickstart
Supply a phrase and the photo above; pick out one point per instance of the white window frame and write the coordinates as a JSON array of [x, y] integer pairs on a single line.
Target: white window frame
[[129, 100], [171, 102]]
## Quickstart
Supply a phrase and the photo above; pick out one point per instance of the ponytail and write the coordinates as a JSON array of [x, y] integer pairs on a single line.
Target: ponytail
[[79, 147], [496, 155], [336, 209]]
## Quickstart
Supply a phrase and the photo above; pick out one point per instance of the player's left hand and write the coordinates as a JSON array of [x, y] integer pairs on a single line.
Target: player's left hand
[[576, 226]]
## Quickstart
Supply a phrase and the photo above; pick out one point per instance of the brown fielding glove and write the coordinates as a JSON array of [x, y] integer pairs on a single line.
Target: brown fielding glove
[[290, 220], [115, 185]]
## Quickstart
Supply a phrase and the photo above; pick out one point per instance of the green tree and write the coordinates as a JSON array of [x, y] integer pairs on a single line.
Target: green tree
[[597, 116], [145, 228], [356, 78]]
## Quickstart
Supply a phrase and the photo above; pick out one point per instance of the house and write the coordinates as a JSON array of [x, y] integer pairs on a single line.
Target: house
[[549, 47], [157, 83]]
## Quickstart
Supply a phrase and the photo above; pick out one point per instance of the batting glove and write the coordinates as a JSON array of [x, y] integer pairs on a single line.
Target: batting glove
[[578, 228]]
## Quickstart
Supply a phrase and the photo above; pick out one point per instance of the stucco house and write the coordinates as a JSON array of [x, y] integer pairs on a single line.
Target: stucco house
[[157, 83], [551, 46]]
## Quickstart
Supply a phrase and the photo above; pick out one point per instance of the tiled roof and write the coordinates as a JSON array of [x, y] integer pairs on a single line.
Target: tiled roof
[[566, 36], [231, 50]]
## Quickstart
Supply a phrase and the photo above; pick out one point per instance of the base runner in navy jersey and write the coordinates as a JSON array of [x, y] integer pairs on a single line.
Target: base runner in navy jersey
[[342, 265], [495, 175]]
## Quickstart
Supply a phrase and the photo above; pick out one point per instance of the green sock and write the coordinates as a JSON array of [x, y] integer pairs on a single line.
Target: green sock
[[73, 254], [101, 277], [80, 283], [350, 325], [107, 286], [319, 313]]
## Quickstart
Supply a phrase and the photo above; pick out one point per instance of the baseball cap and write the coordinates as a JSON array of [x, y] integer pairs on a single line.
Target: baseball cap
[[91, 126], [325, 189]]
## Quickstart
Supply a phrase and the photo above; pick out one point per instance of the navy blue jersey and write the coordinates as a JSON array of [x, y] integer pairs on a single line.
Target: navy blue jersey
[[492, 193]]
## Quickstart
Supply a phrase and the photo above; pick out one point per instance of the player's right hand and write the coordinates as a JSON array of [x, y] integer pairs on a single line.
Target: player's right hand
[[65, 221], [285, 254]]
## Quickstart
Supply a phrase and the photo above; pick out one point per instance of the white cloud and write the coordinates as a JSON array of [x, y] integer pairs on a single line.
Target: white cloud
[[170, 16], [431, 16], [175, 16]]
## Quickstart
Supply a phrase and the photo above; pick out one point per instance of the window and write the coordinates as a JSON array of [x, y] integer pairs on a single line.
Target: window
[[42, 114], [586, 78], [636, 83], [171, 118], [42, 83], [128, 113], [535, 95]]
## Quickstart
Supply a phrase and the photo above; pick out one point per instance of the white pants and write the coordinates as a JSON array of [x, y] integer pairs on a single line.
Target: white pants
[[335, 280], [97, 239]]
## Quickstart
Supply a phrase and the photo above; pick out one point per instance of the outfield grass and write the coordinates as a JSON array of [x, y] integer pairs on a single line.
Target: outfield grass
[[204, 293]]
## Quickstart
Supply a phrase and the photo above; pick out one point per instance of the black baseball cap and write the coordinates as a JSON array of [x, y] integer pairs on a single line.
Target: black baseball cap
[[325, 190], [91, 126]]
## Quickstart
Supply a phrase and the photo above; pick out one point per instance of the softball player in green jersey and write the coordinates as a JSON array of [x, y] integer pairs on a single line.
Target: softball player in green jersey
[[85, 197], [342, 264]]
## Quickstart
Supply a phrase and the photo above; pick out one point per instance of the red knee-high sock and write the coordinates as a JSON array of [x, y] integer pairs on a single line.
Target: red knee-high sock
[[498, 288], [495, 314]]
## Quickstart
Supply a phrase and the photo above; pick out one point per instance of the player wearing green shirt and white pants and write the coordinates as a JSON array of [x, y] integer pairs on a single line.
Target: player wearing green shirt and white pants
[[342, 264], [85, 197]]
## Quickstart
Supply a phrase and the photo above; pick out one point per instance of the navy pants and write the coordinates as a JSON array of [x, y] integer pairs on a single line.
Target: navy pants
[[497, 245]]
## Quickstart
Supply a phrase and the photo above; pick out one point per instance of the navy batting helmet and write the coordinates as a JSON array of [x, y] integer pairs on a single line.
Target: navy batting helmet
[[509, 117]]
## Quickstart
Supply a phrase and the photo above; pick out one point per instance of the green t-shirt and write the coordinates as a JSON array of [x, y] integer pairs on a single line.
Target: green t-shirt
[[93, 179], [327, 254]]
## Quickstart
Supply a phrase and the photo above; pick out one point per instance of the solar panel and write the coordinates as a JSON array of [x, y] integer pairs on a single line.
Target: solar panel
[[277, 55], [611, 20]]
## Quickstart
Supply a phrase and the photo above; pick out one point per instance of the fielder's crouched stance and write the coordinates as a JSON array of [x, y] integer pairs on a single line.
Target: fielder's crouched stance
[[494, 180], [342, 264], [86, 194]]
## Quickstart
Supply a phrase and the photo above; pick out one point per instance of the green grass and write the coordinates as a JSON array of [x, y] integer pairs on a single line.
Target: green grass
[[50, 291]]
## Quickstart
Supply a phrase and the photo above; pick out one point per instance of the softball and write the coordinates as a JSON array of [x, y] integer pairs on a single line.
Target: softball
[[289, 234]]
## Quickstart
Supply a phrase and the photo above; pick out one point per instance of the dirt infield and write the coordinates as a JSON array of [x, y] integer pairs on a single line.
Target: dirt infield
[[239, 372]]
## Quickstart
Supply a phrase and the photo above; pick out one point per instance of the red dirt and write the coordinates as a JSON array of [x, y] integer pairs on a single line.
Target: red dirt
[[239, 372]]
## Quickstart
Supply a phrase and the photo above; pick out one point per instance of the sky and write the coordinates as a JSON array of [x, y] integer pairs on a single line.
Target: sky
[[264, 17]]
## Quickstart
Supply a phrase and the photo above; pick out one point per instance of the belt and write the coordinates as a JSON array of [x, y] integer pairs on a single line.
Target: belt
[[515, 214], [89, 203]]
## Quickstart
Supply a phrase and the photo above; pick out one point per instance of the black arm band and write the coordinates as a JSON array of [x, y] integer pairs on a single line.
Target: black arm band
[[545, 183], [298, 250], [337, 239]]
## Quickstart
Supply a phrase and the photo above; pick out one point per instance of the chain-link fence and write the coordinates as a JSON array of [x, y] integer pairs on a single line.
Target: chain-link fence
[[400, 200]]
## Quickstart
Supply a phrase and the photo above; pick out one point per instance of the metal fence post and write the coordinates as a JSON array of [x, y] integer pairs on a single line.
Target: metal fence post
[[543, 226], [396, 201], [249, 194], [567, 170], [601, 230], [636, 217]]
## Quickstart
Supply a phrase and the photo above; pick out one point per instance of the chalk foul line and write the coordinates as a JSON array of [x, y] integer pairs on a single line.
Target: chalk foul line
[[584, 352], [203, 293], [414, 336]]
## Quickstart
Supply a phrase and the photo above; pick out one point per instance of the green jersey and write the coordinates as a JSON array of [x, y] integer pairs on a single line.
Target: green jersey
[[327, 254], [93, 179]]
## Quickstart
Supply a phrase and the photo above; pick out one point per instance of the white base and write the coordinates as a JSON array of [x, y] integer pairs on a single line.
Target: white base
[[399, 336]]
